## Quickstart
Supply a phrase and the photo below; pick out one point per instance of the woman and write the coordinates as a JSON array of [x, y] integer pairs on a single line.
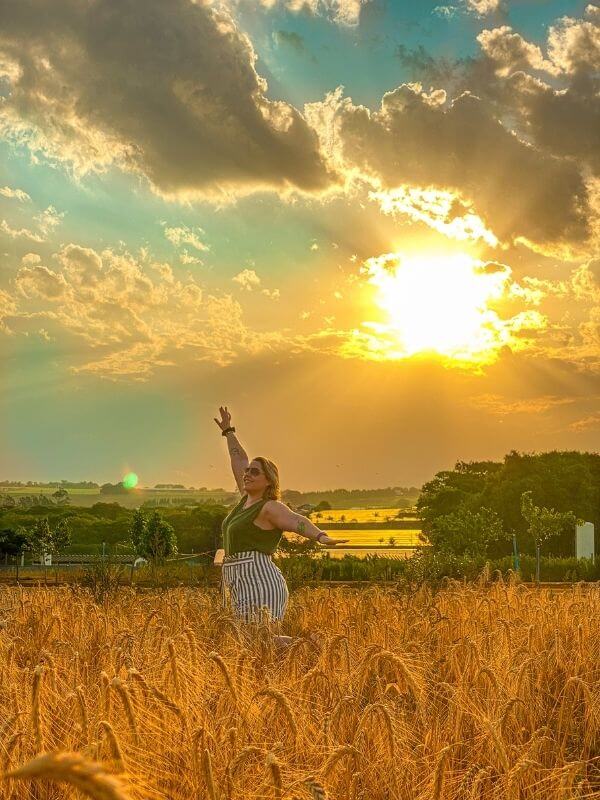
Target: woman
[[252, 531]]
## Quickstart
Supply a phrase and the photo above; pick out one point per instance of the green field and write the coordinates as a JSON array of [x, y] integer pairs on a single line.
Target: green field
[[21, 490]]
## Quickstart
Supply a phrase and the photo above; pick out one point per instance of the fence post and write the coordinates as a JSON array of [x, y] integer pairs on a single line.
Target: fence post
[[516, 559]]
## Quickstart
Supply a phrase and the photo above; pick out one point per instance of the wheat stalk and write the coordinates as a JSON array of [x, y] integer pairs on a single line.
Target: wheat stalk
[[88, 777], [106, 728], [123, 692], [218, 660], [36, 716]]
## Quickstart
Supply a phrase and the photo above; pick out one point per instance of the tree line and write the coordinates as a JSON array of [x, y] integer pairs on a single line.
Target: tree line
[[482, 507]]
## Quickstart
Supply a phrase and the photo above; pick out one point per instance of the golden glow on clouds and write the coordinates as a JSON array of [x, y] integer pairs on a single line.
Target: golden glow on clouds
[[441, 305], [445, 212]]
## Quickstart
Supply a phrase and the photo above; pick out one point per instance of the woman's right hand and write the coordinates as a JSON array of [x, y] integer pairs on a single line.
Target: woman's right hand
[[225, 421]]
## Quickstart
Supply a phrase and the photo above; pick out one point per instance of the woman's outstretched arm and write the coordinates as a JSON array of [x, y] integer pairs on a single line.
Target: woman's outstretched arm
[[239, 459], [285, 519]]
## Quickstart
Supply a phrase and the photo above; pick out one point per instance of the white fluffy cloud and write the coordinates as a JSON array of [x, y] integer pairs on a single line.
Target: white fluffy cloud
[[574, 44], [483, 7], [184, 235], [168, 90], [510, 51], [16, 194], [247, 279], [130, 317], [344, 12]]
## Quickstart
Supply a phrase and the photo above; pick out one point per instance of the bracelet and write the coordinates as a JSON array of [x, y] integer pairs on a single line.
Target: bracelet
[[227, 430], [318, 539]]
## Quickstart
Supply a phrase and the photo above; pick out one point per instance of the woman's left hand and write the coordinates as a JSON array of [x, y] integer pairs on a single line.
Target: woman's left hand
[[330, 541]]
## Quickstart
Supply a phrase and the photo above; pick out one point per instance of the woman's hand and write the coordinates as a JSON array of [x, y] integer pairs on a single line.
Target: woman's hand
[[330, 541], [225, 421]]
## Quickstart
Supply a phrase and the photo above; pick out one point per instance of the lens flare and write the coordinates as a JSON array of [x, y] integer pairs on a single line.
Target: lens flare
[[130, 481]]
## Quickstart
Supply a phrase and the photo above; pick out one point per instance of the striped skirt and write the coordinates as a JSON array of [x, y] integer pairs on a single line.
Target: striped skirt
[[253, 582]]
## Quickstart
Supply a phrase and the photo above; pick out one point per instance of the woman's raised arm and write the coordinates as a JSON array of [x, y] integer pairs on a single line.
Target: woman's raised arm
[[239, 459]]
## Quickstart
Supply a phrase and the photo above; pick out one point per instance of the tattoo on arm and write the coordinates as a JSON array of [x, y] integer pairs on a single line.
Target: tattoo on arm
[[235, 451], [301, 527]]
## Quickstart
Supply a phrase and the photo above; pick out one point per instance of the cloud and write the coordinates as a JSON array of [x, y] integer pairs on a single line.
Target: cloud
[[247, 279], [444, 11], [425, 68], [272, 294], [48, 220], [128, 318], [20, 233], [585, 281], [501, 406], [290, 39], [31, 258], [16, 194], [561, 122], [184, 235], [41, 282], [343, 12], [415, 139], [588, 423], [7, 308], [510, 51], [574, 44], [445, 212], [188, 258], [483, 7], [191, 115]]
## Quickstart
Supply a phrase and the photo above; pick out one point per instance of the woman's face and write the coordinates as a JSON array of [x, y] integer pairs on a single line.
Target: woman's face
[[255, 479]]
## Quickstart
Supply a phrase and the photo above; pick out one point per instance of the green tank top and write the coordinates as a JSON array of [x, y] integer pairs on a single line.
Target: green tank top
[[240, 533]]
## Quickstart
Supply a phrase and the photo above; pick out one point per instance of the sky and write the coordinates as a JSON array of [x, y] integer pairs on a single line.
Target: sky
[[370, 228]]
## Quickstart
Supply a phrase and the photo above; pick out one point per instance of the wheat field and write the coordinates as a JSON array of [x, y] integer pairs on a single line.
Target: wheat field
[[479, 691]]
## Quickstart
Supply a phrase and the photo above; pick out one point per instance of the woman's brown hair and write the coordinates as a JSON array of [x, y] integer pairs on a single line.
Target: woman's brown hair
[[272, 492]]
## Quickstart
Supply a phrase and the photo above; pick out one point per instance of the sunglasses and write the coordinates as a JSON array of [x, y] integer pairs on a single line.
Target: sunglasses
[[254, 471]]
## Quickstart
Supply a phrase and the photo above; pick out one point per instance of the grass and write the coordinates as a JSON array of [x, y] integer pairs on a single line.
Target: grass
[[475, 691]]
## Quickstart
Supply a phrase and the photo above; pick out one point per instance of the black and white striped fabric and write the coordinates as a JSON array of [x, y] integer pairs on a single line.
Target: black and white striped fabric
[[254, 582]]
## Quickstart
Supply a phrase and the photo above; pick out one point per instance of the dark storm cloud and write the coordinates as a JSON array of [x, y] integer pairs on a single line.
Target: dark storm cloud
[[167, 89], [414, 138]]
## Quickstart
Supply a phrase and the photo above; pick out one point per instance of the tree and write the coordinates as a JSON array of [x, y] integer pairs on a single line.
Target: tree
[[13, 542], [465, 532], [161, 540], [60, 537], [137, 533], [61, 497], [544, 524], [562, 480], [39, 538], [114, 488]]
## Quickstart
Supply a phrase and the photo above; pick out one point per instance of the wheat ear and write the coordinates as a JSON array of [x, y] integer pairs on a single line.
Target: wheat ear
[[88, 777]]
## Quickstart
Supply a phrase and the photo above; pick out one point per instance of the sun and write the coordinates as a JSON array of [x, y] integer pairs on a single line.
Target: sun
[[438, 305]]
